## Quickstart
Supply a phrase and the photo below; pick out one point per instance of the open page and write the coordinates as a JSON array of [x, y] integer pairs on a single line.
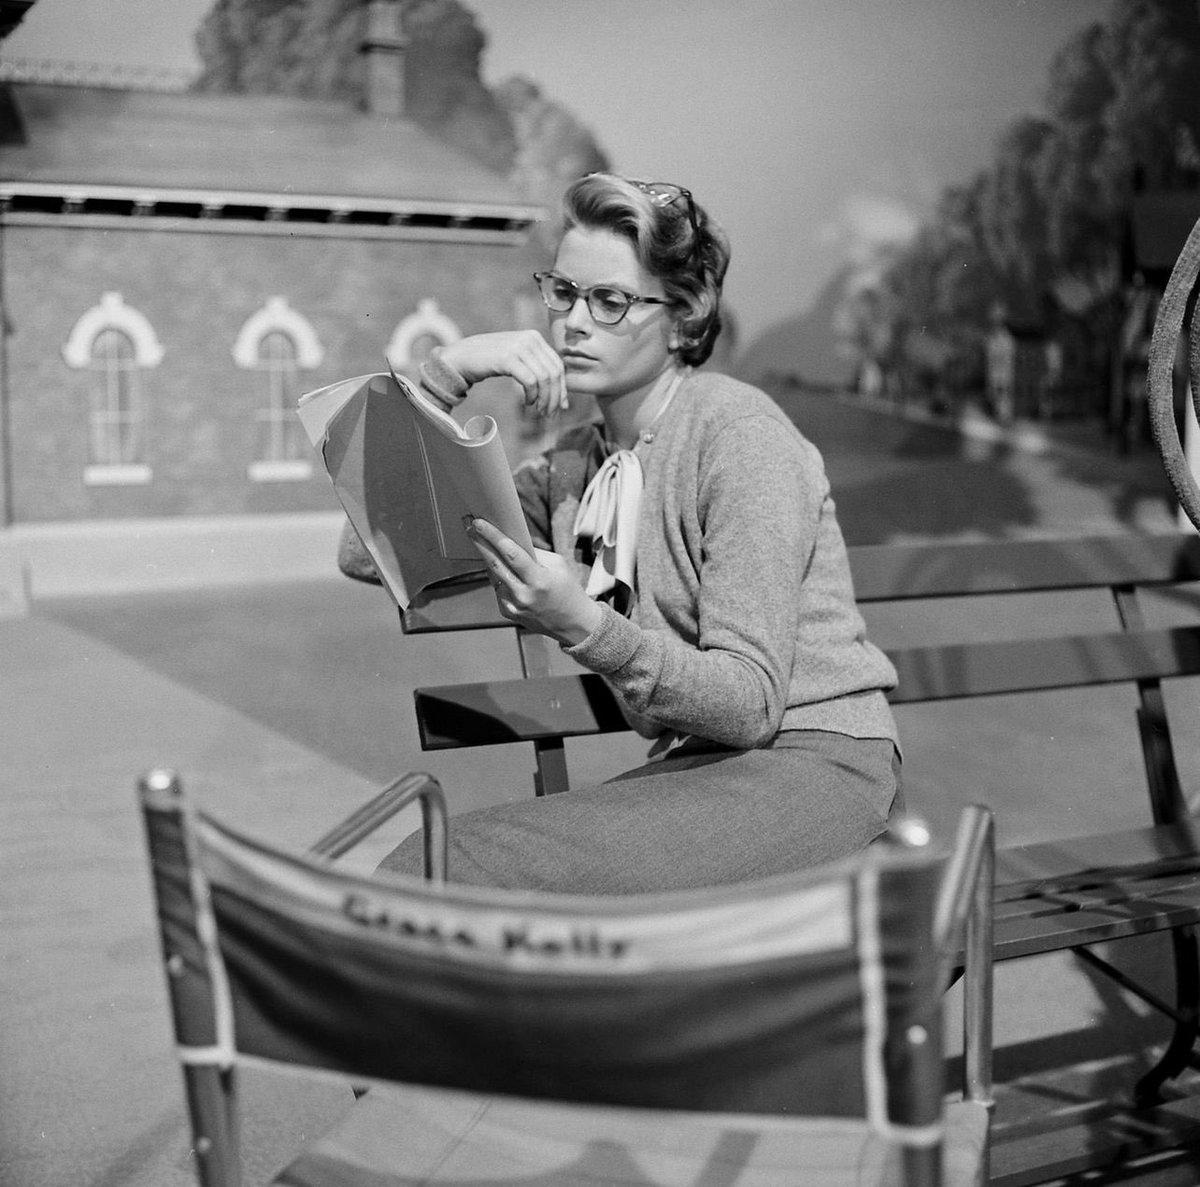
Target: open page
[[407, 473]]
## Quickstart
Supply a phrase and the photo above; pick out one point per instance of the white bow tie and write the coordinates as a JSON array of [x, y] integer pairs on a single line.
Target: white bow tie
[[608, 518]]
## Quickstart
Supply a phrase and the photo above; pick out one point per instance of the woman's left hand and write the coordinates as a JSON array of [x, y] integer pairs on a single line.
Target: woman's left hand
[[537, 592]]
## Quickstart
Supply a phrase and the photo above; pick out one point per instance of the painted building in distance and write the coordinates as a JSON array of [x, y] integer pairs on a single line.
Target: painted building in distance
[[177, 268]]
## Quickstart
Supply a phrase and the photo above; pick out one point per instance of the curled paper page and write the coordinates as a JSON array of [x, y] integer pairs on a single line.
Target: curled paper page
[[407, 473]]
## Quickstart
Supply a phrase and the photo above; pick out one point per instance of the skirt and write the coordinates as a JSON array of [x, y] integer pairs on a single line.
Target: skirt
[[704, 815]]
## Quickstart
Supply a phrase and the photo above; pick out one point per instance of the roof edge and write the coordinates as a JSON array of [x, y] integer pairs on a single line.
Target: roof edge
[[77, 198]]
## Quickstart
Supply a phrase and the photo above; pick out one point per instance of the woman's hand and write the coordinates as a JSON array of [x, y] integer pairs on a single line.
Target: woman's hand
[[537, 592], [523, 355]]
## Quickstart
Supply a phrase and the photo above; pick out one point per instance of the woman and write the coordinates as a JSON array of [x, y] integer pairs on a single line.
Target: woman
[[688, 552]]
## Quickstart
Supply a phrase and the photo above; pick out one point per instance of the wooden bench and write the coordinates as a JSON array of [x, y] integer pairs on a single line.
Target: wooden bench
[[1050, 897]]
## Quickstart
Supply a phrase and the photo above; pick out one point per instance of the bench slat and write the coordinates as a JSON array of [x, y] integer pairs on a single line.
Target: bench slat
[[895, 572], [1058, 894], [524, 710], [495, 711], [1029, 665], [1031, 933], [1069, 862]]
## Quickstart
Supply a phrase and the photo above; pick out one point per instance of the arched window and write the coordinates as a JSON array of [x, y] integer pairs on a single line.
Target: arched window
[[278, 344], [116, 417], [420, 347], [116, 345], [418, 334], [280, 437]]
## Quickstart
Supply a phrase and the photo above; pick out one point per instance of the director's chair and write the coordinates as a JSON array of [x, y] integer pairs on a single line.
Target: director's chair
[[782, 1032]]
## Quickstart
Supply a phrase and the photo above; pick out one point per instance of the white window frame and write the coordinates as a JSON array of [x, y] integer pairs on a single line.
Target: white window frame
[[112, 316], [427, 321], [252, 352]]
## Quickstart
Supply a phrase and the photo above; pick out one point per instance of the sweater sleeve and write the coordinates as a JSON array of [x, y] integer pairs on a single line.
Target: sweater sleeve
[[759, 498]]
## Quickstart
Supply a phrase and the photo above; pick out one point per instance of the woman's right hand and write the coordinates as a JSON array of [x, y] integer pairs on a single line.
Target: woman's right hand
[[523, 355]]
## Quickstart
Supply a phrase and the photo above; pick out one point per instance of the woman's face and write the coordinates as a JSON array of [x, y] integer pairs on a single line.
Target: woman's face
[[607, 361]]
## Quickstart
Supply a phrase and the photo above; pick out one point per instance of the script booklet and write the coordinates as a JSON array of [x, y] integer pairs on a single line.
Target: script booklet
[[407, 473]]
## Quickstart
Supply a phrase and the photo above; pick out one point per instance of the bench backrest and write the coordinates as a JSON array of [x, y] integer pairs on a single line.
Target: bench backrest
[[544, 709]]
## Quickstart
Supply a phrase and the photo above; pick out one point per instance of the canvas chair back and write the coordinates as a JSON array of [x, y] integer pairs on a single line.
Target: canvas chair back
[[815, 994]]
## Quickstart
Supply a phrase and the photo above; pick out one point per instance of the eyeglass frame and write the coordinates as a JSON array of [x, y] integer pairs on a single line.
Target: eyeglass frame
[[585, 294]]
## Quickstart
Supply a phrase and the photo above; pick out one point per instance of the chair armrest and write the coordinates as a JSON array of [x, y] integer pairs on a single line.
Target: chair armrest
[[381, 808]]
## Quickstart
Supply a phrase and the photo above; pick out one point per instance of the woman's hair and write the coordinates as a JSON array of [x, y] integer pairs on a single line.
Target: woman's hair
[[690, 264]]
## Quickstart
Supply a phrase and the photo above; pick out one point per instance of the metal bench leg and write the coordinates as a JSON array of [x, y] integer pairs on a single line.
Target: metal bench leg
[[551, 774], [1168, 804], [550, 777], [1179, 1052]]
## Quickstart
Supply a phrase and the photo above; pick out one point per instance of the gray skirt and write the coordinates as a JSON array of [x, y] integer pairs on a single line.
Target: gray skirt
[[704, 815]]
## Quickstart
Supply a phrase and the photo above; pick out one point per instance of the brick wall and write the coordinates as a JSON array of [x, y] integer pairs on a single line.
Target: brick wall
[[197, 288]]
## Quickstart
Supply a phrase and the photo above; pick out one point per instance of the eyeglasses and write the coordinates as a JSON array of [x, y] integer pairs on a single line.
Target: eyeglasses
[[667, 193], [606, 304]]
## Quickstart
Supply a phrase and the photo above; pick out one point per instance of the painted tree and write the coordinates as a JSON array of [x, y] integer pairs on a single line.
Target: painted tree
[[1153, 55], [1082, 208], [922, 325], [1040, 231], [1012, 217]]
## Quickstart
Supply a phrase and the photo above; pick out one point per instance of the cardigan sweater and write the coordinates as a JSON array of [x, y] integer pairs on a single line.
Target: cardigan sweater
[[744, 622]]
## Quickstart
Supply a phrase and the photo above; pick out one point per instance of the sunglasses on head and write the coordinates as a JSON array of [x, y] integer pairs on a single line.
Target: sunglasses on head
[[667, 193]]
